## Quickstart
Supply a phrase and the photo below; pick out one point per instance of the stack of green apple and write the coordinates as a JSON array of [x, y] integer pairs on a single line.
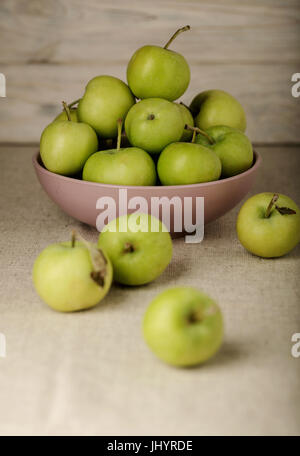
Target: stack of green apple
[[183, 326], [179, 144]]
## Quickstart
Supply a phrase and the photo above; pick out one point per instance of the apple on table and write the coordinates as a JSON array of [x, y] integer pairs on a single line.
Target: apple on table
[[183, 326], [268, 225], [72, 276], [139, 247]]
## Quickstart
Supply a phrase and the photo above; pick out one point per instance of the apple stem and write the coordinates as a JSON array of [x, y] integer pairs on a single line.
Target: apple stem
[[271, 204], [70, 105], [182, 29], [120, 123], [193, 137], [73, 239], [67, 110], [281, 210], [98, 260], [201, 132]]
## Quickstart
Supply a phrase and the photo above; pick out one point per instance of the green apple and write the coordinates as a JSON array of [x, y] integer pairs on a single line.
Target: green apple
[[63, 115], [268, 225], [216, 107], [72, 276], [72, 110], [154, 123], [183, 326], [66, 145], [128, 166], [157, 72], [187, 163], [188, 120], [232, 147], [139, 247], [106, 99]]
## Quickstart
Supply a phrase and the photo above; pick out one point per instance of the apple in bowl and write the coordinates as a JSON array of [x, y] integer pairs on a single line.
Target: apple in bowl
[[85, 200]]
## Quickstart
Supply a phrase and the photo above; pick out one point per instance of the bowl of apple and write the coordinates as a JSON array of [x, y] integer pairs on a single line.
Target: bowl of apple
[[127, 148]]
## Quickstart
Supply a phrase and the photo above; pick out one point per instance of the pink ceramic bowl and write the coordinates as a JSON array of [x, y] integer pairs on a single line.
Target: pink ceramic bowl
[[78, 198]]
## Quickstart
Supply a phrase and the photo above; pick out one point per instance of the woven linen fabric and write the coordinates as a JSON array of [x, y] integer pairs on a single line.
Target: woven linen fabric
[[91, 372]]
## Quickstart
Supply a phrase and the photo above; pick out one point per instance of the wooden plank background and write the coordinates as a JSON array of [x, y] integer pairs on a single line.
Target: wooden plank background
[[50, 49]]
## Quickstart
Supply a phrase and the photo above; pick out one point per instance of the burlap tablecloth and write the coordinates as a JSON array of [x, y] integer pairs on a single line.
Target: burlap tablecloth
[[91, 372]]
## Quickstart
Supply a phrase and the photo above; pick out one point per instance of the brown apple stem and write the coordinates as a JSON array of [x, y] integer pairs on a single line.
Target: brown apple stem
[[197, 130], [271, 204], [182, 29], [98, 260], [73, 238], [120, 123], [70, 105], [67, 110], [193, 137]]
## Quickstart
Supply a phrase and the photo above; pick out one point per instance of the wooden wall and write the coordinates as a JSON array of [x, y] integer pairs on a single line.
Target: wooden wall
[[49, 49]]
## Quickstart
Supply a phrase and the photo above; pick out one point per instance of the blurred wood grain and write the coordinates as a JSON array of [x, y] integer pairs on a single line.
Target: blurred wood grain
[[50, 49]]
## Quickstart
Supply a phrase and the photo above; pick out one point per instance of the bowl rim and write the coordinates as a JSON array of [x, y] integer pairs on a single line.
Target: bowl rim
[[41, 169]]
